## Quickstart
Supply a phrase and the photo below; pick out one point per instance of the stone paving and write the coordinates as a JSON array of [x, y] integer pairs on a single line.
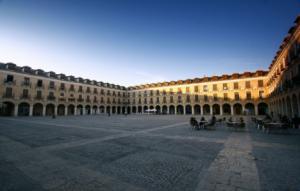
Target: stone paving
[[142, 152]]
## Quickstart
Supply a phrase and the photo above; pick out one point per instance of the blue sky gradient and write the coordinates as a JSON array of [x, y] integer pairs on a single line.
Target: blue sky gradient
[[131, 42]]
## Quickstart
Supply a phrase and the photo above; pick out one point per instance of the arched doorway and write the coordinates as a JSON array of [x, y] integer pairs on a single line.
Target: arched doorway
[[289, 107], [237, 109], [145, 108], [113, 109], [262, 108], [140, 109], [119, 110], [295, 106], [206, 109], [7, 109], [164, 109], [197, 109], [249, 109], [188, 109], [179, 109], [61, 110], [23, 109], [226, 109], [172, 109], [123, 110], [216, 109], [128, 110], [108, 109], [79, 110], [71, 110], [95, 108], [37, 109], [134, 109], [157, 109], [50, 109], [88, 110], [101, 108]]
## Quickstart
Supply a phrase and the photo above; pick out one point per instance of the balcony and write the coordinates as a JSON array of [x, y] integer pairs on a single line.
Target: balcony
[[71, 100], [62, 99], [51, 98], [26, 84], [9, 83], [52, 87], [62, 89], [79, 100], [25, 97], [39, 86], [38, 98], [71, 90], [8, 96], [88, 100]]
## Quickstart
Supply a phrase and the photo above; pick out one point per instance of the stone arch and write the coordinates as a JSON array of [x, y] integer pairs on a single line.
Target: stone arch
[[61, 109], [37, 109], [7, 109], [71, 109], [262, 108], [197, 109], [179, 109], [145, 108], [134, 109], [226, 109], [172, 109], [23, 109], [250, 109], [188, 109], [157, 109], [140, 109], [164, 109], [95, 109], [237, 109], [206, 109], [88, 110], [108, 109], [102, 109], [50, 109], [113, 109], [216, 109]]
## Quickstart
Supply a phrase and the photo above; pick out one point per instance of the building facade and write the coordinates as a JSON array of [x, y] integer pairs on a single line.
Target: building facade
[[28, 92]]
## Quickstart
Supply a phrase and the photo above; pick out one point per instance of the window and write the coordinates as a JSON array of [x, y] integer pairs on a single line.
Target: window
[[95, 91], [236, 85], [9, 78], [157, 92], [205, 98], [187, 89], [205, 88], [236, 96], [171, 99], [151, 92], [179, 91], [8, 92], [157, 100], [26, 81], [80, 89], [62, 86], [196, 89], [196, 98], [25, 93], [62, 94], [71, 87], [165, 99], [215, 88], [40, 83], [164, 92], [225, 97], [248, 95], [225, 87], [39, 94], [248, 85], [171, 91], [188, 98], [145, 100], [260, 83], [215, 97], [261, 94], [88, 90], [179, 99]]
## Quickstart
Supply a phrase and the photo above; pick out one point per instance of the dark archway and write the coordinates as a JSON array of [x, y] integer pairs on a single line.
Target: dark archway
[[108, 109], [71, 109], [128, 110], [23, 109], [7, 109], [140, 109], [119, 110], [95, 109], [101, 108], [188, 109], [79, 110], [172, 109], [134, 109], [113, 109], [37, 109], [197, 109], [262, 108], [226, 109], [157, 109], [61, 109], [216, 109], [50, 109], [145, 108], [164, 109], [249, 109], [237, 109], [88, 110], [295, 106], [179, 109], [206, 109]]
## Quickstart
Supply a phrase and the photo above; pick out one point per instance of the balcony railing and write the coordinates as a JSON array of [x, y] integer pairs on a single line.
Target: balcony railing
[[71, 99], [71, 90], [26, 84], [51, 98], [51, 87], [9, 83], [8, 96], [25, 97], [62, 99], [38, 98], [39, 86]]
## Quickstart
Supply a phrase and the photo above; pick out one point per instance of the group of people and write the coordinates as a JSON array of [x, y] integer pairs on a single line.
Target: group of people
[[203, 124]]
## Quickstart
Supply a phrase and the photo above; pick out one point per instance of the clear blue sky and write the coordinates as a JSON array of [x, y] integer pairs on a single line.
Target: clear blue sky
[[130, 42]]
